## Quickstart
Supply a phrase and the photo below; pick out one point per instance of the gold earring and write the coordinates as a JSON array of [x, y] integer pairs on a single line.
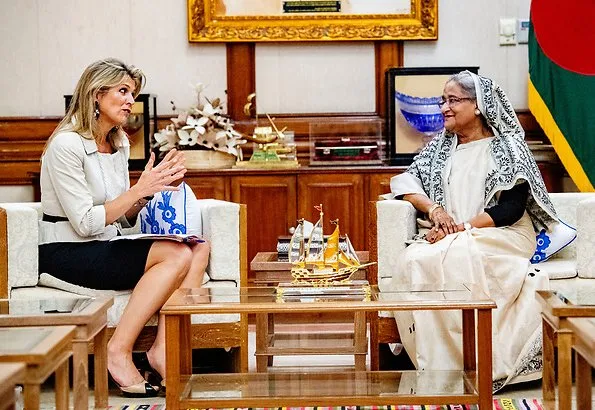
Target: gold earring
[[477, 112]]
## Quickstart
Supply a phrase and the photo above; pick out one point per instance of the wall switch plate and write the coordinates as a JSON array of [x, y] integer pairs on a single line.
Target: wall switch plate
[[522, 31], [508, 31]]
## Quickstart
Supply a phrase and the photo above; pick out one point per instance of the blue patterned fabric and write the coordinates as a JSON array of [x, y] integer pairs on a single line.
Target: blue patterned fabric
[[553, 241], [171, 212]]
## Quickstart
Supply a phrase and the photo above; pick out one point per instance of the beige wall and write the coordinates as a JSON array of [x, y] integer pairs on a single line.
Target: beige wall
[[47, 43]]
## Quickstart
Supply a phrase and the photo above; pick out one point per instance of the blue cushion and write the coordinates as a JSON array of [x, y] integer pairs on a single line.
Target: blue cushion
[[552, 241], [172, 212]]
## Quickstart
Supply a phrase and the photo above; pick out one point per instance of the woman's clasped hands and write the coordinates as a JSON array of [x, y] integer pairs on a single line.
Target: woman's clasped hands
[[444, 224], [160, 178], [443, 220]]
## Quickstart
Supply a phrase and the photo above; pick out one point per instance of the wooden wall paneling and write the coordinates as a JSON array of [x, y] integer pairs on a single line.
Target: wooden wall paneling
[[342, 196], [241, 78], [210, 187], [19, 173], [387, 54], [271, 205]]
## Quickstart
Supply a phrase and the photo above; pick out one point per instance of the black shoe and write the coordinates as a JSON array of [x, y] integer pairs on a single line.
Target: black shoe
[[139, 390], [146, 370]]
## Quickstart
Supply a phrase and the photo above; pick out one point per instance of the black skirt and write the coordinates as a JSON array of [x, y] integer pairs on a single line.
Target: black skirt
[[114, 265]]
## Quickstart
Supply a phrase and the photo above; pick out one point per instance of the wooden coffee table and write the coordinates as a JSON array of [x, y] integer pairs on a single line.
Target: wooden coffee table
[[269, 271], [556, 310], [44, 350], [473, 385], [9, 374], [89, 315]]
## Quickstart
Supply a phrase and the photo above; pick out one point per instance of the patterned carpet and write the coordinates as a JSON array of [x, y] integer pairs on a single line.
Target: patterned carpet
[[499, 404]]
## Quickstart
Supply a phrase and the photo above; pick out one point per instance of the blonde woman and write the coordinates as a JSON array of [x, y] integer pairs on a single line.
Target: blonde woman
[[86, 200]]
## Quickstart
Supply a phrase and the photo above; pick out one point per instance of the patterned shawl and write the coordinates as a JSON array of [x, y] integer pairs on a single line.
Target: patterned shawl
[[514, 161]]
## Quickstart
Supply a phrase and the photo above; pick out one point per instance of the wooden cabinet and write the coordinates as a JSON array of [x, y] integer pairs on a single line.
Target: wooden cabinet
[[210, 187], [271, 203], [342, 196]]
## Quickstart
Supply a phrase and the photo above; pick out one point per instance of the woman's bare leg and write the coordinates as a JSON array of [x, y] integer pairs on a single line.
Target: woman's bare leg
[[200, 260], [167, 265]]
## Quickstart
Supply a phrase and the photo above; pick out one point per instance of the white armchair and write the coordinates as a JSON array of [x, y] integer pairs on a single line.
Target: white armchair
[[392, 222], [223, 224]]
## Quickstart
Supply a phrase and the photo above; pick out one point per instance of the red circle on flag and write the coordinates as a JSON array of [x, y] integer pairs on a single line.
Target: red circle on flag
[[565, 32]]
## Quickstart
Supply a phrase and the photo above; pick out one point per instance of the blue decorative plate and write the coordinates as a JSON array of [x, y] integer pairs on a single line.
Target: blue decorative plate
[[422, 113]]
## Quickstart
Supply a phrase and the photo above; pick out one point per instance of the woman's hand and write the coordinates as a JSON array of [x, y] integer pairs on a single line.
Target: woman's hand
[[435, 234], [443, 220], [159, 178]]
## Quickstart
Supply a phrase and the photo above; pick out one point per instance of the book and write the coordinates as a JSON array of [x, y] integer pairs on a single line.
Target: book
[[185, 238]]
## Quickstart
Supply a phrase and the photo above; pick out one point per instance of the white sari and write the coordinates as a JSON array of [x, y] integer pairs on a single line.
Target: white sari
[[495, 258]]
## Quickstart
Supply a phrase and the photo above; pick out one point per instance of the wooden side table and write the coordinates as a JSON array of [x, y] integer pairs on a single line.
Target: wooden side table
[[9, 374], [557, 309], [584, 347], [44, 350], [268, 271], [89, 315]]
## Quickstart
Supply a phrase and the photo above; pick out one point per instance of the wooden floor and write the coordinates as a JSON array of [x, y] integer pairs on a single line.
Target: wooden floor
[[526, 390]]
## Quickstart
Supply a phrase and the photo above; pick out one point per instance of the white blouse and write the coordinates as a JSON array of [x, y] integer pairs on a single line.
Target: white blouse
[[76, 181]]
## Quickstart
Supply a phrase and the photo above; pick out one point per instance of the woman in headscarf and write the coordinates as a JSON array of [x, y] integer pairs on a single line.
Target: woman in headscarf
[[483, 197]]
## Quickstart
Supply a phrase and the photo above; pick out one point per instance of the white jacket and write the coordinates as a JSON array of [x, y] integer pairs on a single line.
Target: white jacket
[[76, 180]]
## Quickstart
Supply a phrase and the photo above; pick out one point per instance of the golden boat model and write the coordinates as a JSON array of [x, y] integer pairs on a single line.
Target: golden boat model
[[318, 263]]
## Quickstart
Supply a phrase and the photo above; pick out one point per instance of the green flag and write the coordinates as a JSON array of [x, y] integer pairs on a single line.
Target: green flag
[[562, 82]]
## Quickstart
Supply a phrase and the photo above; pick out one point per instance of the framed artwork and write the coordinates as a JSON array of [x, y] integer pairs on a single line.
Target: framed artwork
[[413, 116], [141, 125], [311, 20]]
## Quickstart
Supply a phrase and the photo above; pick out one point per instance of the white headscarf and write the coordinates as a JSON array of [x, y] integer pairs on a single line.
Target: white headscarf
[[513, 159]]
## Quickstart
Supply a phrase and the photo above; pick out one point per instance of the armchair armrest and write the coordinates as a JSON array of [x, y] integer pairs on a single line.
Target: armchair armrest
[[19, 238], [222, 227], [396, 223], [585, 241]]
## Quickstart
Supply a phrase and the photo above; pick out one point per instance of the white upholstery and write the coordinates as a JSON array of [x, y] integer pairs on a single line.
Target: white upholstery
[[220, 222], [574, 265]]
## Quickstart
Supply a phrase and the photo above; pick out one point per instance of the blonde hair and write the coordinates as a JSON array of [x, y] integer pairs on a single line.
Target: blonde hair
[[98, 77]]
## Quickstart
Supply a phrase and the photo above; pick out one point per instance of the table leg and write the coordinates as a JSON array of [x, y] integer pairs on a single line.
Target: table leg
[[100, 369], [564, 368], [548, 384], [31, 393], [484, 358], [80, 374], [583, 382], [271, 334], [374, 346], [360, 340], [172, 361], [185, 345], [262, 341], [469, 354], [62, 387]]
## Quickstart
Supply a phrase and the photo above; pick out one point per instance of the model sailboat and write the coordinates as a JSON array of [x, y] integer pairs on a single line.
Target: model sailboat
[[320, 263]]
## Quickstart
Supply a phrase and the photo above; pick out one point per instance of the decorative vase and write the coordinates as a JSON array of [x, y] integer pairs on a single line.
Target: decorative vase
[[208, 159]]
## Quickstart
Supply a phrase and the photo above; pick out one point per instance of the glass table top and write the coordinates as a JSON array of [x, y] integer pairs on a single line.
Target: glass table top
[[362, 296], [582, 297], [36, 307], [21, 340], [300, 385]]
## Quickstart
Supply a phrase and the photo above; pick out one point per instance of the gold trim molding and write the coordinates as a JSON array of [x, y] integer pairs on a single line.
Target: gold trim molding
[[208, 23]]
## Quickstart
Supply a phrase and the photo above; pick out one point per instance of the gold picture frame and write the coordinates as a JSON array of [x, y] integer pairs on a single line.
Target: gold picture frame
[[265, 20]]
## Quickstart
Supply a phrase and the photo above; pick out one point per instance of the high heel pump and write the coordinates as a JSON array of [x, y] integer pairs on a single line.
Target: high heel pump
[[148, 372], [139, 390]]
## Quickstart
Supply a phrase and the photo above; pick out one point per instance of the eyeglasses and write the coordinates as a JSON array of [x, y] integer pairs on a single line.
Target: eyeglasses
[[452, 101]]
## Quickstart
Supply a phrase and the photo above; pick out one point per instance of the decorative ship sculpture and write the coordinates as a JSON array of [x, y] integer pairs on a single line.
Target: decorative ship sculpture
[[318, 263]]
